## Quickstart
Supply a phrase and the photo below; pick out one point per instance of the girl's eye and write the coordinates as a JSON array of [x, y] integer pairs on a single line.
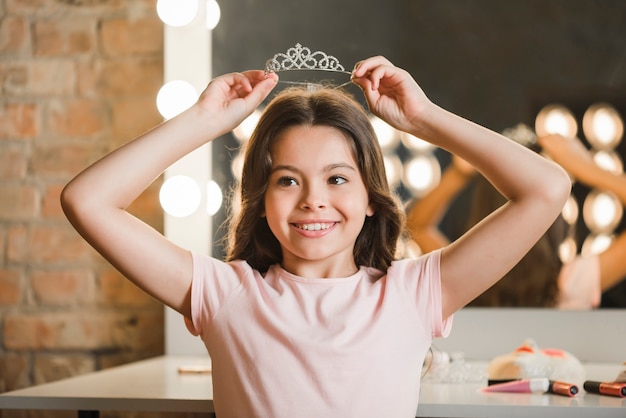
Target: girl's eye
[[287, 181], [337, 180]]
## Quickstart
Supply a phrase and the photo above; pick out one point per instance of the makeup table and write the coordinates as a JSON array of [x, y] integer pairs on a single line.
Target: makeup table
[[156, 385]]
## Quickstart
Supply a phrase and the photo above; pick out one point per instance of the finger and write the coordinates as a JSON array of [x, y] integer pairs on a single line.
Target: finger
[[363, 67], [261, 89]]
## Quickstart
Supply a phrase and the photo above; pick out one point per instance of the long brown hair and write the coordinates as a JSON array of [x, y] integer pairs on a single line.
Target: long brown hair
[[533, 281], [250, 237]]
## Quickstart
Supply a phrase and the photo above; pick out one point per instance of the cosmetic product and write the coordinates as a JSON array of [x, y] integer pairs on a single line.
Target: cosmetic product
[[562, 388], [194, 369], [521, 386], [498, 381], [606, 388]]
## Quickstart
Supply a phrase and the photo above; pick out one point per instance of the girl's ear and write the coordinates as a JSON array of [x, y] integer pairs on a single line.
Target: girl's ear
[[370, 210]]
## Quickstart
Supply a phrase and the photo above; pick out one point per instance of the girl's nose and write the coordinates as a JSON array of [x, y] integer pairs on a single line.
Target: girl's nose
[[313, 198]]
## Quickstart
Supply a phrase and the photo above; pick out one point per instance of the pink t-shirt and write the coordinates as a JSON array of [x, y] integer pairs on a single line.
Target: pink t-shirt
[[579, 283], [288, 346]]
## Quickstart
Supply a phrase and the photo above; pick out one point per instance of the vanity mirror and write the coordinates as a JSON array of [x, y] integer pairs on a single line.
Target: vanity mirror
[[495, 63]]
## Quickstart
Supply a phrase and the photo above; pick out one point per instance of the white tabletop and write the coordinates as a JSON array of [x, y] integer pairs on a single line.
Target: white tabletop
[[156, 385]]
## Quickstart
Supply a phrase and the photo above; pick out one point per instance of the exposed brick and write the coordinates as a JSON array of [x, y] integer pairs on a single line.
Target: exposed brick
[[62, 160], [19, 120], [115, 289], [17, 241], [147, 206], [132, 117], [15, 371], [83, 331], [40, 78], [55, 245], [121, 37], [64, 287], [58, 331], [78, 117], [77, 78], [51, 367], [18, 202], [3, 243], [13, 160], [31, 6], [10, 288], [51, 205], [140, 331], [112, 359], [121, 77], [63, 37], [14, 35]]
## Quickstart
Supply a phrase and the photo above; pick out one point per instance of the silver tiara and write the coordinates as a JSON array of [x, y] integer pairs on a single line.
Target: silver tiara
[[300, 58], [522, 134]]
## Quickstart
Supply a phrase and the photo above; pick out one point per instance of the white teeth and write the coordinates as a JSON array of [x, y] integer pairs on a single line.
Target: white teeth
[[314, 227]]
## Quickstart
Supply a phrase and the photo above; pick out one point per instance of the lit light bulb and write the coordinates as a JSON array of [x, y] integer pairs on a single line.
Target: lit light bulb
[[387, 136], [421, 174], [244, 130], [177, 12], [603, 126], [556, 119], [213, 14], [393, 169], [179, 196], [175, 97], [214, 197]]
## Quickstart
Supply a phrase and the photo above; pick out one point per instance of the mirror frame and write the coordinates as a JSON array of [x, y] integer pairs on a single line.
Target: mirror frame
[[597, 336]]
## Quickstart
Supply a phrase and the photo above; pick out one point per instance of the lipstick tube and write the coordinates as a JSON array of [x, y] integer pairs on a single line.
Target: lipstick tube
[[606, 388], [521, 386], [562, 388]]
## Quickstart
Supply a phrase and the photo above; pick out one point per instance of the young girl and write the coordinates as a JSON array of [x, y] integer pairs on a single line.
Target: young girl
[[311, 316]]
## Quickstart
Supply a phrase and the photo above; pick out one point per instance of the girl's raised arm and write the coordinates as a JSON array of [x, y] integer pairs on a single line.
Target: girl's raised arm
[[535, 187], [95, 201], [572, 155]]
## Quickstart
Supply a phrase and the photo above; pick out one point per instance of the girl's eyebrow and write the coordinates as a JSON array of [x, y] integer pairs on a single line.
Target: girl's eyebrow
[[329, 167]]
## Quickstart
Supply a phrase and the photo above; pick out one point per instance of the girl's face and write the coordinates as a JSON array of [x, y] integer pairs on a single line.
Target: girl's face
[[316, 201]]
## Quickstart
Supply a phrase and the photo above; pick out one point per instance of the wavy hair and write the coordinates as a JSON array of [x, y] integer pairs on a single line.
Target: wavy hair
[[250, 237], [533, 282]]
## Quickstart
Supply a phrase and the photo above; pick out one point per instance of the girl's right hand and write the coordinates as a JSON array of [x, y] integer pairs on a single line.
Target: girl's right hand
[[231, 98]]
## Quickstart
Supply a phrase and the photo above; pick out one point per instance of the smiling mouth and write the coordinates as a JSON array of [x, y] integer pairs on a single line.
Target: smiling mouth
[[314, 226]]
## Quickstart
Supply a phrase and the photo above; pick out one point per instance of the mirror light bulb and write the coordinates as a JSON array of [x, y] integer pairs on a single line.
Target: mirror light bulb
[[177, 12], [556, 119], [387, 135], [602, 211], [421, 174], [393, 169], [179, 196], [603, 126], [214, 197], [244, 130], [175, 97], [213, 14]]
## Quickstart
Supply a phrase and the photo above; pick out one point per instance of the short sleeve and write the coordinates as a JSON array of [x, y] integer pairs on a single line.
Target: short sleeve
[[212, 281], [422, 278]]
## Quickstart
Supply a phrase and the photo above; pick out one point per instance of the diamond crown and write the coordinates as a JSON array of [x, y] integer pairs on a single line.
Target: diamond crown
[[301, 58]]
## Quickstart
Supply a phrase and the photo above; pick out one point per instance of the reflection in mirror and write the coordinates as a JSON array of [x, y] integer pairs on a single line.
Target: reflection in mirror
[[579, 257], [498, 66]]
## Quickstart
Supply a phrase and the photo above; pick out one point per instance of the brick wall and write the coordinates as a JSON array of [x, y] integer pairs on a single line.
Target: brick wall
[[77, 79]]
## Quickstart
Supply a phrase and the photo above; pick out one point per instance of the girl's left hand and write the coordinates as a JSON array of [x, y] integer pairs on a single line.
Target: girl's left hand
[[392, 94]]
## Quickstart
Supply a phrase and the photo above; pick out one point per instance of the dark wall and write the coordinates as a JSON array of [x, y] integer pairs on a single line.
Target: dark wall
[[491, 61]]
